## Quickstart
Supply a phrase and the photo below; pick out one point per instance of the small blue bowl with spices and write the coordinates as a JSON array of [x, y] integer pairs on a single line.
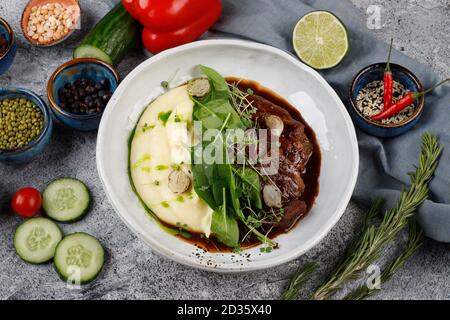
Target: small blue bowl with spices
[[8, 46], [25, 125], [70, 106], [366, 100]]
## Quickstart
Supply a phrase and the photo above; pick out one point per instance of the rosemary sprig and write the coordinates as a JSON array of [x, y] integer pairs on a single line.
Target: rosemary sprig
[[298, 280], [414, 242], [370, 244], [303, 273], [373, 212]]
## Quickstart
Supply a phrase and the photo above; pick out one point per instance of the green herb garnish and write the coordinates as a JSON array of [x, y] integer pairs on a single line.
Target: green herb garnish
[[145, 157], [165, 204], [147, 127], [243, 106], [164, 116], [266, 249]]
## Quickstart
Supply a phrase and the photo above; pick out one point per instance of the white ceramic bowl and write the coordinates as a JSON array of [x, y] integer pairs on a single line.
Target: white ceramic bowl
[[273, 68]]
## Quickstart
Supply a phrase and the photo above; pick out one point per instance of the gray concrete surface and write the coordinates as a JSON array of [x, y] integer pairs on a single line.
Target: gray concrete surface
[[132, 270]]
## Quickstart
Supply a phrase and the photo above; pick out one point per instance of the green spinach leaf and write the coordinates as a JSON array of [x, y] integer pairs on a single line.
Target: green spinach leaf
[[202, 185], [220, 89], [213, 114], [224, 227]]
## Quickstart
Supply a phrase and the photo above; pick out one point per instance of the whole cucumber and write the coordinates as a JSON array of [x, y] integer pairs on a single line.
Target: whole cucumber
[[112, 37]]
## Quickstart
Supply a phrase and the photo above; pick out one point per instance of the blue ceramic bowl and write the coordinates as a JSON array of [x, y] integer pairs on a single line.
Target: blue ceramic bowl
[[7, 58], [35, 147], [69, 72], [375, 72]]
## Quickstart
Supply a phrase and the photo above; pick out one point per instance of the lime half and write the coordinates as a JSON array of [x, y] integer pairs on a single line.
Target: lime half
[[320, 40]]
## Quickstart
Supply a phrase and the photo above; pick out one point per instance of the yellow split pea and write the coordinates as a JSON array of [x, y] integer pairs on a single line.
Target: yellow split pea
[[50, 22]]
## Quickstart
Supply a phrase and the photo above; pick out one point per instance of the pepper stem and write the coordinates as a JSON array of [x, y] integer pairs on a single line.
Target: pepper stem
[[419, 94], [388, 65]]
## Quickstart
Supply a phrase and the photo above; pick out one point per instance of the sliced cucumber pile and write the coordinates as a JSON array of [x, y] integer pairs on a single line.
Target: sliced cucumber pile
[[36, 239], [66, 200], [79, 257]]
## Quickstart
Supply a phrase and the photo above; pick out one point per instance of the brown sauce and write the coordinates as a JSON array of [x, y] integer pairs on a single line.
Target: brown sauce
[[310, 177]]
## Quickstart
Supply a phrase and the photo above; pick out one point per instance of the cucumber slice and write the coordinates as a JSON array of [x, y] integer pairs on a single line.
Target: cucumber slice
[[36, 239], [89, 51], [66, 200], [79, 257]]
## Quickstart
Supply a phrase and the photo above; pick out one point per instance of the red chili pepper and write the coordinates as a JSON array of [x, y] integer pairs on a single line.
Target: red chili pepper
[[404, 102], [388, 81], [170, 23]]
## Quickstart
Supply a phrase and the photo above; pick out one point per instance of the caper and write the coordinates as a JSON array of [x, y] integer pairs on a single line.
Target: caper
[[20, 122]]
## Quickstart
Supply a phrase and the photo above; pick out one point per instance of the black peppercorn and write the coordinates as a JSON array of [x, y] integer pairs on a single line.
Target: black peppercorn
[[85, 96], [82, 93]]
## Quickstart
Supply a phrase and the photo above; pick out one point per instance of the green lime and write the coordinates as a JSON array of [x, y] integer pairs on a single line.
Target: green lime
[[320, 40]]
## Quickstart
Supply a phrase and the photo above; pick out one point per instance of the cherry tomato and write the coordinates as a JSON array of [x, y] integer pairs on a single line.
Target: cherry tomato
[[26, 202]]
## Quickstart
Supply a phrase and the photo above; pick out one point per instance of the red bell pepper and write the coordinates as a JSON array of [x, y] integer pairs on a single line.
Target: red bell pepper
[[170, 23]]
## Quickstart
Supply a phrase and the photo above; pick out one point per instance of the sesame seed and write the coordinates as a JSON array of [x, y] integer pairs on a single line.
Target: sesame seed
[[369, 101]]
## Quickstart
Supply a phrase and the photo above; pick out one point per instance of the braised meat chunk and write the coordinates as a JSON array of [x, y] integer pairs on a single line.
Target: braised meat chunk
[[293, 211], [295, 150]]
